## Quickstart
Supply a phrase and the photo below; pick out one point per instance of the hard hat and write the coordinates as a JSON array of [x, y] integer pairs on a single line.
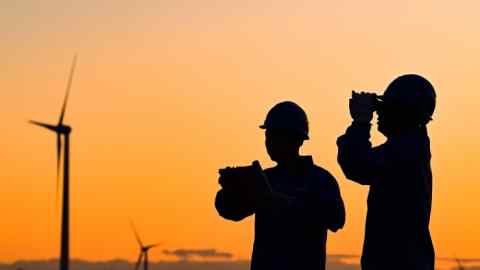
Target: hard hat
[[411, 95], [287, 116]]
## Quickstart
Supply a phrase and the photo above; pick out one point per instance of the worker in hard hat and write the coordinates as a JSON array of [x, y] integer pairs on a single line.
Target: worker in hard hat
[[299, 201], [398, 173]]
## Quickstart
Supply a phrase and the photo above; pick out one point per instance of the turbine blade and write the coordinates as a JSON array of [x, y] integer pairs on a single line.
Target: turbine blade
[[152, 246], [47, 126], [137, 236], [139, 261], [59, 149], [69, 86]]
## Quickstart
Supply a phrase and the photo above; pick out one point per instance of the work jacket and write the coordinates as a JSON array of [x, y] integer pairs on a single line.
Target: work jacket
[[399, 202], [291, 237]]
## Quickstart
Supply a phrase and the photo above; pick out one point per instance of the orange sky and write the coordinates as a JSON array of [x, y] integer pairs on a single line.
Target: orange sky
[[166, 93]]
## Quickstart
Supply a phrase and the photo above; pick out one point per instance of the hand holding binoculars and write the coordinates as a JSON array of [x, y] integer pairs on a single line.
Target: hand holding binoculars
[[250, 180], [363, 104]]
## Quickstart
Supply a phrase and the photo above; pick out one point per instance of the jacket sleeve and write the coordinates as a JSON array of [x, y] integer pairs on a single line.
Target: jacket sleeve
[[359, 161], [231, 206], [325, 205], [332, 206]]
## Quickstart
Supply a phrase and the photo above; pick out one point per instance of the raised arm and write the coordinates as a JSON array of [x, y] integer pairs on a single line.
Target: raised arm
[[358, 160]]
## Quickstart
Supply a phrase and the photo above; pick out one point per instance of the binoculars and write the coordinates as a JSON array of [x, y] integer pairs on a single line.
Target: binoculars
[[239, 176], [378, 99], [245, 183]]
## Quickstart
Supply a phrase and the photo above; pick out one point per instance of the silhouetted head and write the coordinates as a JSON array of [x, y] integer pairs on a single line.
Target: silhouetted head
[[286, 128], [408, 103]]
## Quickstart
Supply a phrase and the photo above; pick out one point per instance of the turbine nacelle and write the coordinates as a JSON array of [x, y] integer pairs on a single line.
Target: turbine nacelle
[[64, 129], [147, 248]]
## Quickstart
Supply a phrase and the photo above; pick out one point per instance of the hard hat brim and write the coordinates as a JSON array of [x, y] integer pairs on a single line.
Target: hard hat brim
[[305, 136]]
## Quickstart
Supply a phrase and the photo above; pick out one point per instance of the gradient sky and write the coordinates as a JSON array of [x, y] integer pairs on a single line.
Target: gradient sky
[[166, 92]]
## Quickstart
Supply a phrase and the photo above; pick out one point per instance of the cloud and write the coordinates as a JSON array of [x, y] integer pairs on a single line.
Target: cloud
[[341, 262], [463, 260], [467, 263], [185, 254], [342, 256]]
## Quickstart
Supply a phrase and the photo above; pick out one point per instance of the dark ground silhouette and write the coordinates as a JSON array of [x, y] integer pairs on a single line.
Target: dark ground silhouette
[[333, 264]]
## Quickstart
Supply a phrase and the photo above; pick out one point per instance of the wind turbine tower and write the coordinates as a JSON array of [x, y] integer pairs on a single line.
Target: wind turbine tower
[[64, 131]]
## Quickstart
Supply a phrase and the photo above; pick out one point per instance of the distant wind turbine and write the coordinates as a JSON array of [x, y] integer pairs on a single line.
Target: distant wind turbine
[[63, 130], [143, 250], [459, 263]]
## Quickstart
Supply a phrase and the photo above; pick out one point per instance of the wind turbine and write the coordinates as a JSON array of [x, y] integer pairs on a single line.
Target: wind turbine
[[143, 250], [63, 130], [459, 263]]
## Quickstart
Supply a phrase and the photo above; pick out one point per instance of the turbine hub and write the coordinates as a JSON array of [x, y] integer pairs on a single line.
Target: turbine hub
[[63, 129]]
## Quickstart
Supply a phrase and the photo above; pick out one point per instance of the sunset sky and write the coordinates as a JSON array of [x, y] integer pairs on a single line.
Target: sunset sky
[[166, 92]]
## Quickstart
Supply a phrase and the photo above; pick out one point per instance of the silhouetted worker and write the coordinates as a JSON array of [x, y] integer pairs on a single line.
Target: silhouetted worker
[[398, 172], [294, 203]]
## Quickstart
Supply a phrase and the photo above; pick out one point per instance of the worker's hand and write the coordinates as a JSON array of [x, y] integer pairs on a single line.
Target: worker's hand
[[228, 180], [225, 183], [362, 106], [249, 182]]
